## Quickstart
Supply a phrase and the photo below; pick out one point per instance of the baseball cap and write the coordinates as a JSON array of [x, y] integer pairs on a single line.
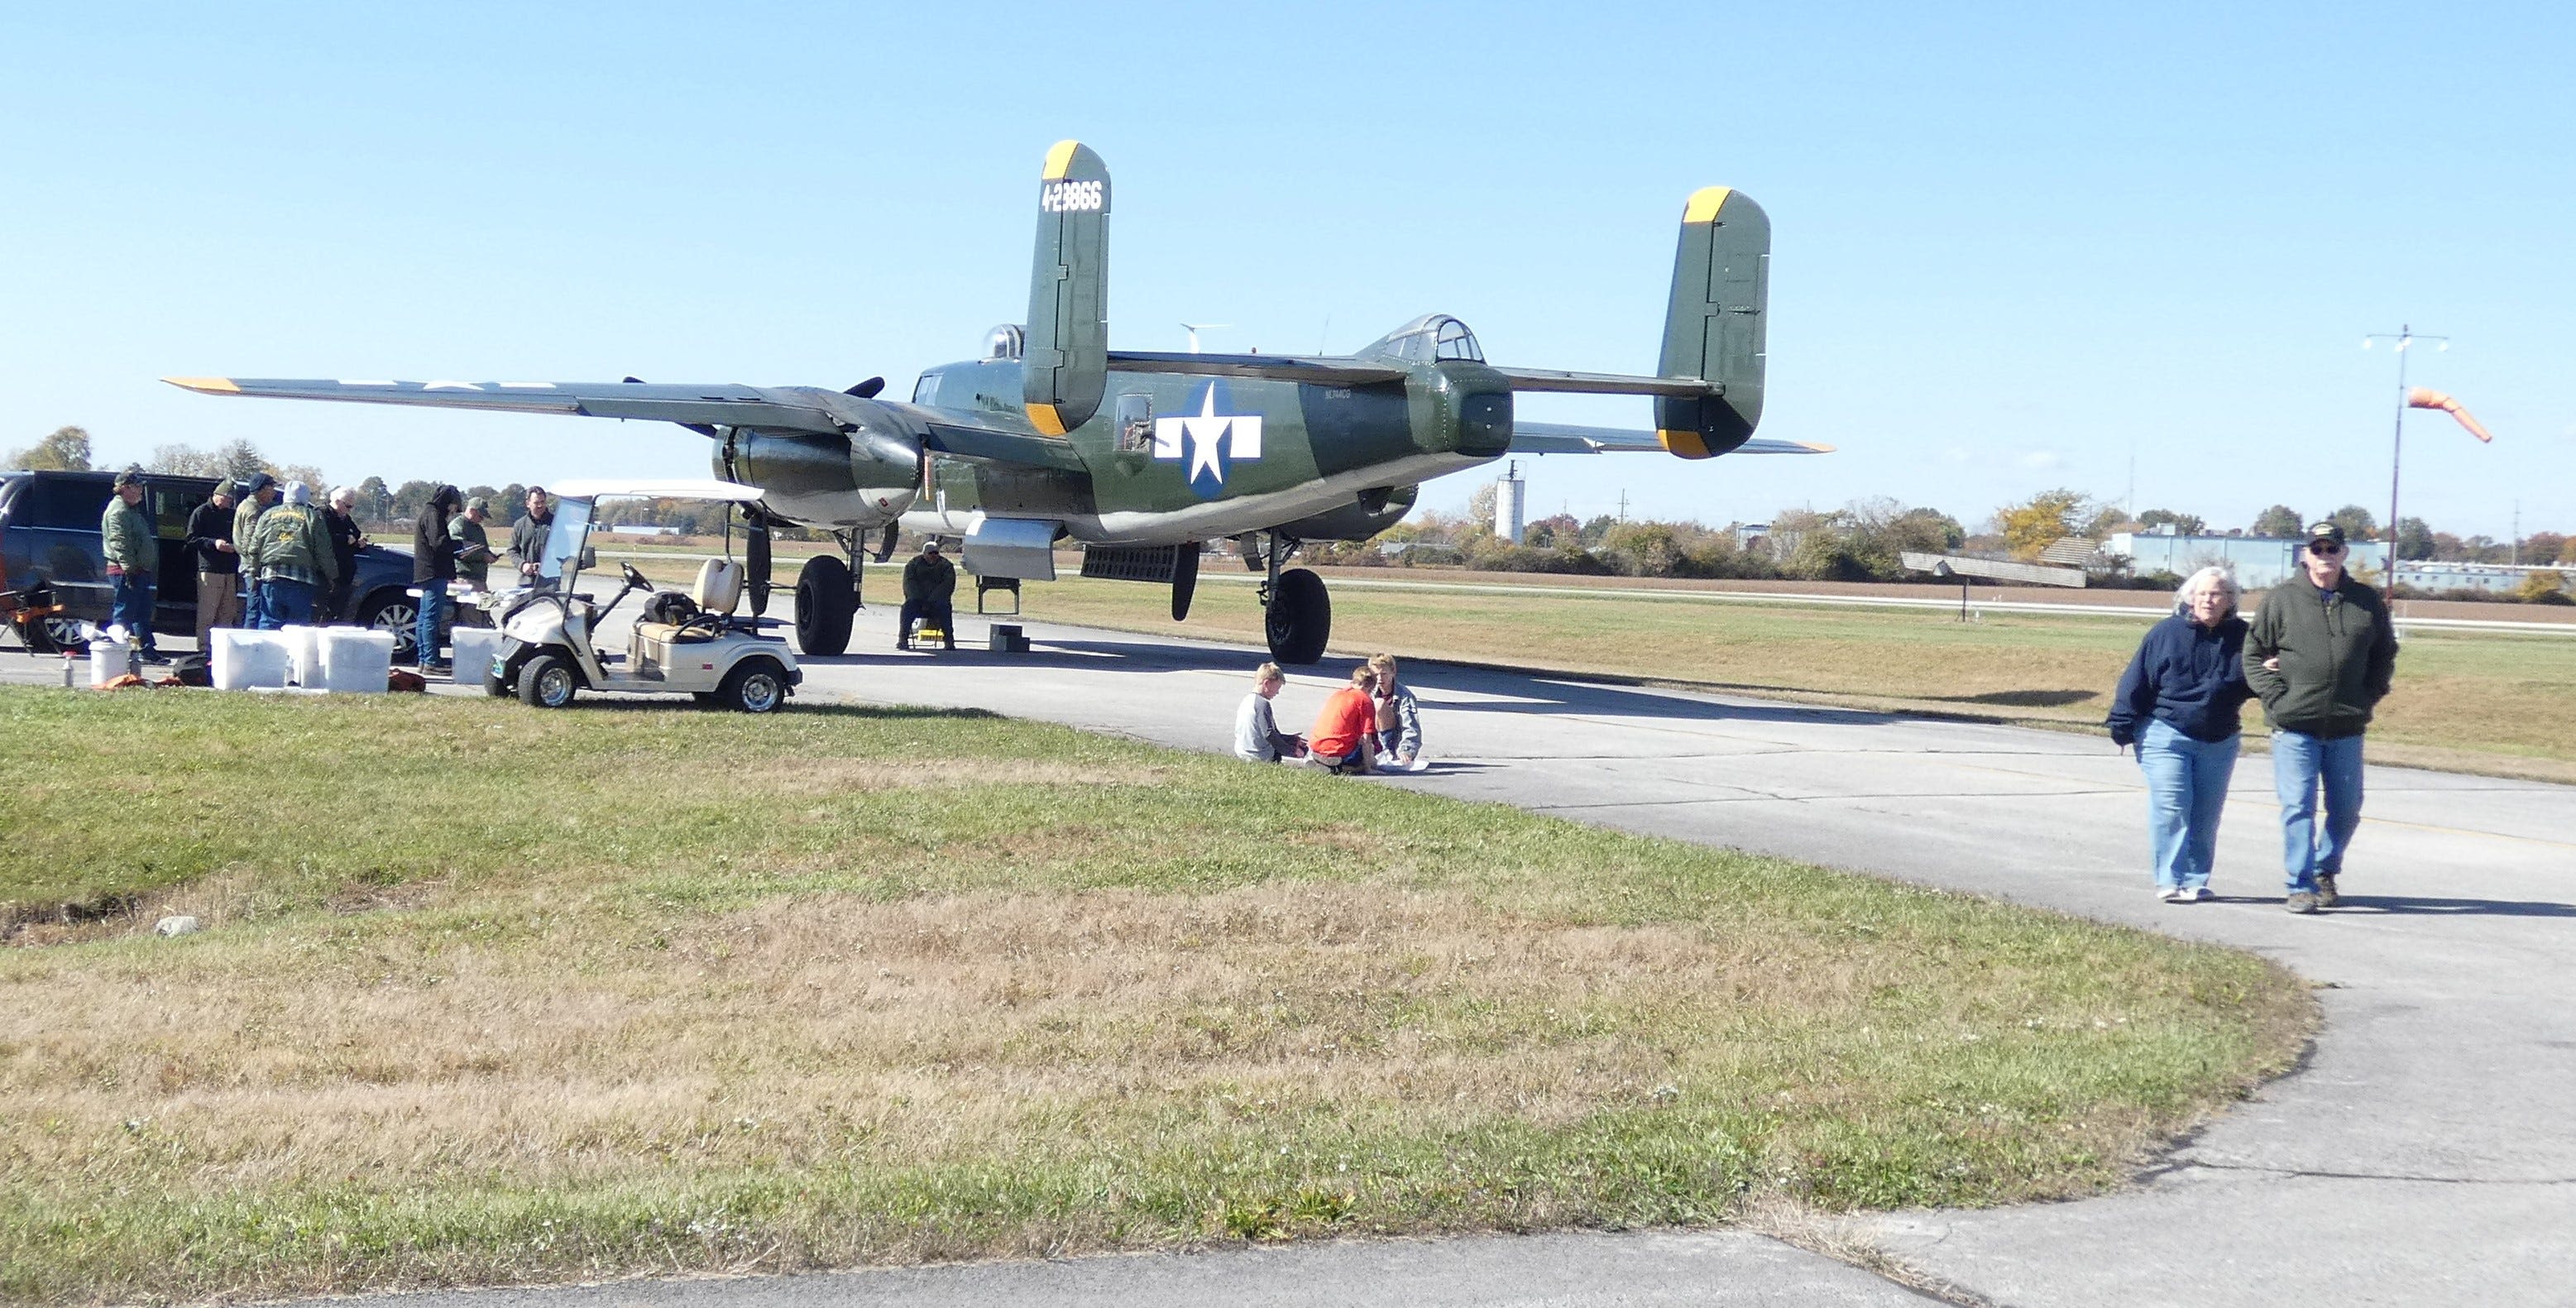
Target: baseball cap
[[130, 477], [2326, 531], [478, 502], [259, 481], [930, 546]]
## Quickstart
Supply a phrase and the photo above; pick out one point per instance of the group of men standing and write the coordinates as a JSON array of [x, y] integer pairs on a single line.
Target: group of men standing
[[267, 556]]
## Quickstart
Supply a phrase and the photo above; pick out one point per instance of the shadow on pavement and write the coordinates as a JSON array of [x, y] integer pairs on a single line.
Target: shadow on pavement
[[1531, 692], [2478, 907]]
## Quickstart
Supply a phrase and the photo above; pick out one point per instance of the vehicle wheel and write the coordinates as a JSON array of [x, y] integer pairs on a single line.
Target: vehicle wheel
[[824, 606], [547, 681], [754, 686], [53, 635], [493, 685], [398, 614], [1300, 619]]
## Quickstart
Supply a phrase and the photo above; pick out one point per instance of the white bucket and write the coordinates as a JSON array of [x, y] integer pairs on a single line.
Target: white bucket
[[247, 659], [354, 661], [474, 649], [108, 660]]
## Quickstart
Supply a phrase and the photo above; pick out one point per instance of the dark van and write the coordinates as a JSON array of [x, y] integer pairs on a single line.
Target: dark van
[[51, 553]]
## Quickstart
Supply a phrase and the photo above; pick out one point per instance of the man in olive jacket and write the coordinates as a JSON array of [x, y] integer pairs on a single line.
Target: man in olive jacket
[[2321, 654], [133, 552], [290, 554], [929, 585]]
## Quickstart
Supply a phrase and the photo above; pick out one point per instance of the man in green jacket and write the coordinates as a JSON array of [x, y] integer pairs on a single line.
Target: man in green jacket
[[133, 551], [291, 554], [2321, 654], [257, 495]]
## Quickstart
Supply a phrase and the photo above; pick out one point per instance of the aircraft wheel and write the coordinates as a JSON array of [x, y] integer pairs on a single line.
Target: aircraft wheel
[[824, 606], [547, 681], [1300, 619]]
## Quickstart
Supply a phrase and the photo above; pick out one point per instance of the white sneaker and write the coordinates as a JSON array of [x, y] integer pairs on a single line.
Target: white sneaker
[[2168, 893], [2195, 894]]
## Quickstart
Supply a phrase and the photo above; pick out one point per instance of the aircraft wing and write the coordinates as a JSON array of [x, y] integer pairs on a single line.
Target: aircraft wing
[[1316, 370], [952, 435], [690, 406], [1562, 438]]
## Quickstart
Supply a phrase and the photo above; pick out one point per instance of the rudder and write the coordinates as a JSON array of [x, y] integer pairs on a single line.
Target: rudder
[[1713, 329], [1067, 355]]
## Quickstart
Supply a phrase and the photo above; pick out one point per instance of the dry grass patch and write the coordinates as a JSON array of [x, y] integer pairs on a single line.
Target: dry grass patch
[[735, 1028]]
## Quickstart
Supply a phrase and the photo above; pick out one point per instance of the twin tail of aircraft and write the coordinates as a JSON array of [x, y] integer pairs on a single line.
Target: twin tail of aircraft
[[1142, 457]]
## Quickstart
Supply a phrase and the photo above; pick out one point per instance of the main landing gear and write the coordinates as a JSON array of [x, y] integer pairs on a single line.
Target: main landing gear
[[1296, 613], [827, 599]]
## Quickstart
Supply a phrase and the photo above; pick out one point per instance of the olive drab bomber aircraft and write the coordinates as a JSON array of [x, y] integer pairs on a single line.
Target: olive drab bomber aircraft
[[1143, 458]]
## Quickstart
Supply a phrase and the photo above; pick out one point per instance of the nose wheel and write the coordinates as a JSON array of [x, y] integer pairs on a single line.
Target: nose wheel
[[1297, 614]]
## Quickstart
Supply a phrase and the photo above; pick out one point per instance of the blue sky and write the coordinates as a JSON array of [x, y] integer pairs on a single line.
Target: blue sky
[[2015, 247]]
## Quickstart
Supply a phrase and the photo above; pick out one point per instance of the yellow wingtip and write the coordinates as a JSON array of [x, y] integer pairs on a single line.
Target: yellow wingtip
[[1059, 157], [1685, 444], [1045, 418], [1818, 447], [206, 385], [1704, 204]]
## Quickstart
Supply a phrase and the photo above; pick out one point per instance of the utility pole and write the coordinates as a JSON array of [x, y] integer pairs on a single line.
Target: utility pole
[[1623, 504], [2404, 337], [2517, 533]]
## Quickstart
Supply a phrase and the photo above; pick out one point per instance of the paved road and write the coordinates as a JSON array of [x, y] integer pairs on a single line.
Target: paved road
[[2426, 1153]]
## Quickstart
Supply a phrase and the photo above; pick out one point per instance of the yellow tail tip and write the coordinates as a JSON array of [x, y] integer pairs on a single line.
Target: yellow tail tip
[[206, 385], [1704, 204], [1059, 157]]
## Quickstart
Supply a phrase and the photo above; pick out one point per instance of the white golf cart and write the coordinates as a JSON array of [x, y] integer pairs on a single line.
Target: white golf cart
[[688, 644]]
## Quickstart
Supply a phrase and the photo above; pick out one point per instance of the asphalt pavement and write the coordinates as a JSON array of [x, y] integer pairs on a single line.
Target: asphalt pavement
[[2424, 1154]]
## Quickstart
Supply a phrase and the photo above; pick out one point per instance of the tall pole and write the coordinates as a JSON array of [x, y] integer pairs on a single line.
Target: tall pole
[[2396, 451], [2397, 441]]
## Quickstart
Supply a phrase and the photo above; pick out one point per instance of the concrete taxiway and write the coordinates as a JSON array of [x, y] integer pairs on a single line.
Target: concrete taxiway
[[2425, 1154]]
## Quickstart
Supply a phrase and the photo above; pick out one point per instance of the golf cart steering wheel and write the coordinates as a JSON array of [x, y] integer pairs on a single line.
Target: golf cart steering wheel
[[634, 580], [711, 623]]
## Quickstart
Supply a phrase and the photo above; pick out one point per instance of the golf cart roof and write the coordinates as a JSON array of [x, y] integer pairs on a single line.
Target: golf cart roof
[[648, 489]]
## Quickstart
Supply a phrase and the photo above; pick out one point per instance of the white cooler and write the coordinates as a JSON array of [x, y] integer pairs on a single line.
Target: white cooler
[[473, 649], [248, 660], [352, 660]]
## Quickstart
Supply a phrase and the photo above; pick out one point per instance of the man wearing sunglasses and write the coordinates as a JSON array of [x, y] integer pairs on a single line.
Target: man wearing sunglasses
[[2320, 653]]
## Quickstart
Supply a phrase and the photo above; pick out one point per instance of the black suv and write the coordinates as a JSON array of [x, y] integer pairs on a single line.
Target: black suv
[[51, 553]]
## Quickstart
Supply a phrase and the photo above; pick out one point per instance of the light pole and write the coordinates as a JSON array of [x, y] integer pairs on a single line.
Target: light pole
[[2404, 336]]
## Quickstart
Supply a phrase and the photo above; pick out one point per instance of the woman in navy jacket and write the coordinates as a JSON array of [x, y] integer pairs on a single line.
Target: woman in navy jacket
[[2178, 704]]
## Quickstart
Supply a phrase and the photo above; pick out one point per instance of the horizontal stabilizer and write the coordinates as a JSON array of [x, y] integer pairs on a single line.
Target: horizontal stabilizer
[[690, 406], [1603, 383], [1319, 371], [1563, 438]]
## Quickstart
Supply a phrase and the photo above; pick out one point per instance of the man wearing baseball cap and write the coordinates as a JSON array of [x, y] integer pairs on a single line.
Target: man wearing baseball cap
[[133, 550], [2321, 654]]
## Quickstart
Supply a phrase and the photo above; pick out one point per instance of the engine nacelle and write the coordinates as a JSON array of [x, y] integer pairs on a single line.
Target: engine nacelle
[[859, 481], [1368, 513]]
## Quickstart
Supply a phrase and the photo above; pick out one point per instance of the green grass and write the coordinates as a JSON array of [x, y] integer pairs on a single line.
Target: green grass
[[490, 994], [2482, 702]]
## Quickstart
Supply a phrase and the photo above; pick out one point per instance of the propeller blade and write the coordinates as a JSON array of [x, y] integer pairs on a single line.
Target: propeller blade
[[867, 390]]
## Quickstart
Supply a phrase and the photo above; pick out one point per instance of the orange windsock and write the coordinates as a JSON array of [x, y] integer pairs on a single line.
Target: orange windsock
[[2421, 398]]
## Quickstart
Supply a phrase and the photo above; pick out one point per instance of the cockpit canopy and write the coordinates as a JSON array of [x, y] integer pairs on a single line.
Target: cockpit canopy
[[1427, 339]]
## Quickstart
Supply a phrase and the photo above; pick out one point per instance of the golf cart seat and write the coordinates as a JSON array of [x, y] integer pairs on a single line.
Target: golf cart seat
[[719, 586]]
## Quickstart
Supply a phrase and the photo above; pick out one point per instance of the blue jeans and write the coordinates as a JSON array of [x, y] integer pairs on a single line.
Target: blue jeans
[[132, 608], [2299, 762], [433, 616], [2186, 791], [282, 601]]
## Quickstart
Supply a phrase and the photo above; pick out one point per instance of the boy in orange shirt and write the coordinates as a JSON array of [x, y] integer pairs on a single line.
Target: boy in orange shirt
[[1345, 735]]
